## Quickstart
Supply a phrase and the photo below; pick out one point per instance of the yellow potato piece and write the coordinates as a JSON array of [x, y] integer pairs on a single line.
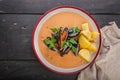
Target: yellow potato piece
[[87, 34], [84, 43], [85, 26], [93, 47], [94, 35], [85, 54]]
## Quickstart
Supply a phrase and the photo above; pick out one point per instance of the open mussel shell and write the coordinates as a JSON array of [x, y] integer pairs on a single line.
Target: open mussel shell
[[70, 30], [64, 50], [71, 35], [66, 31]]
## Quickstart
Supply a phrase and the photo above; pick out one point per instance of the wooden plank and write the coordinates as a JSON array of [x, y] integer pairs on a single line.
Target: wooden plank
[[16, 32], [29, 70], [16, 35], [40, 6], [103, 20]]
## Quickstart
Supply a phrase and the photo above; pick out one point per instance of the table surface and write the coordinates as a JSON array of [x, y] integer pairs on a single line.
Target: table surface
[[17, 20]]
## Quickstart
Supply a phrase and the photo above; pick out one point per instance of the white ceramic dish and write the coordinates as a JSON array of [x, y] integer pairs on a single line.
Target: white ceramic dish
[[38, 26]]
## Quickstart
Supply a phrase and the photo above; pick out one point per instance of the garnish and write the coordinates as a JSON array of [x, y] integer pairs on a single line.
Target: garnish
[[50, 42], [55, 30], [76, 29], [63, 41], [73, 41]]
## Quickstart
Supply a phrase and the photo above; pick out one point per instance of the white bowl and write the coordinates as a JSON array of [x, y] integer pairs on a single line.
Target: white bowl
[[38, 26]]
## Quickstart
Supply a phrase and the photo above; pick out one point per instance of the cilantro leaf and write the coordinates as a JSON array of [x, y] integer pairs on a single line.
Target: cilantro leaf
[[73, 41], [50, 42], [76, 29], [55, 30], [66, 43], [53, 40], [74, 49], [47, 41]]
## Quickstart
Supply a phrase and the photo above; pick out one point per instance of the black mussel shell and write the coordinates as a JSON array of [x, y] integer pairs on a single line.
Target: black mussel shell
[[64, 50], [73, 35]]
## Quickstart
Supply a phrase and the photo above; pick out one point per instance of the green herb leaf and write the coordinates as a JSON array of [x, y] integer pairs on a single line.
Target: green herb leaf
[[76, 29], [51, 46], [74, 49], [50, 42], [55, 30], [73, 41], [53, 40], [66, 43], [47, 41]]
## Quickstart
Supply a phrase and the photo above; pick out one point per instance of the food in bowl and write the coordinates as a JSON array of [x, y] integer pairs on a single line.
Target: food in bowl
[[67, 40]]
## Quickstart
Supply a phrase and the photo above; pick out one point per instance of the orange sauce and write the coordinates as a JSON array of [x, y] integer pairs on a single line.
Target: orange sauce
[[63, 19]]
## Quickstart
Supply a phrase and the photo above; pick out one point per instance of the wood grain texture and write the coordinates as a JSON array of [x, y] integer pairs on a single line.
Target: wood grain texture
[[16, 34], [29, 70], [40, 6]]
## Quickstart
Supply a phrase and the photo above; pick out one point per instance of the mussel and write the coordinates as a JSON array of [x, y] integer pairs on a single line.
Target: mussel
[[64, 50], [63, 40], [64, 34], [70, 30], [72, 34]]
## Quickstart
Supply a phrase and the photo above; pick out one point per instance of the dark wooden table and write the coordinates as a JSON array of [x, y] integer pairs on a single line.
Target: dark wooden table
[[17, 20]]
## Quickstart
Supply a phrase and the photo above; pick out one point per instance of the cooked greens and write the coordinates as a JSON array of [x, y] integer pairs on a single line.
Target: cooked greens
[[76, 29]]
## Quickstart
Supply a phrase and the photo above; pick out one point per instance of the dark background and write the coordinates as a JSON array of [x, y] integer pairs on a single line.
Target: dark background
[[17, 20]]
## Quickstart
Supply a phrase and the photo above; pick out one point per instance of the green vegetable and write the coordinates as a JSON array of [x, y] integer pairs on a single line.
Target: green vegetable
[[66, 43], [76, 29], [50, 42], [55, 30], [53, 40], [47, 41], [69, 43], [51, 46], [74, 49], [73, 41]]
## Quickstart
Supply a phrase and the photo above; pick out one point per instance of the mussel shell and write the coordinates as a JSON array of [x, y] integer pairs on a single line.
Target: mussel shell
[[66, 30], [64, 50], [70, 31], [70, 35]]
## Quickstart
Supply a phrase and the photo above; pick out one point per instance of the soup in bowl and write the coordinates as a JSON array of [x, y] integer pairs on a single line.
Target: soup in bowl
[[66, 39]]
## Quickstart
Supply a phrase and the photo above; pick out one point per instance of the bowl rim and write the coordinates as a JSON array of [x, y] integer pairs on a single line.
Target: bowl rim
[[73, 7]]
